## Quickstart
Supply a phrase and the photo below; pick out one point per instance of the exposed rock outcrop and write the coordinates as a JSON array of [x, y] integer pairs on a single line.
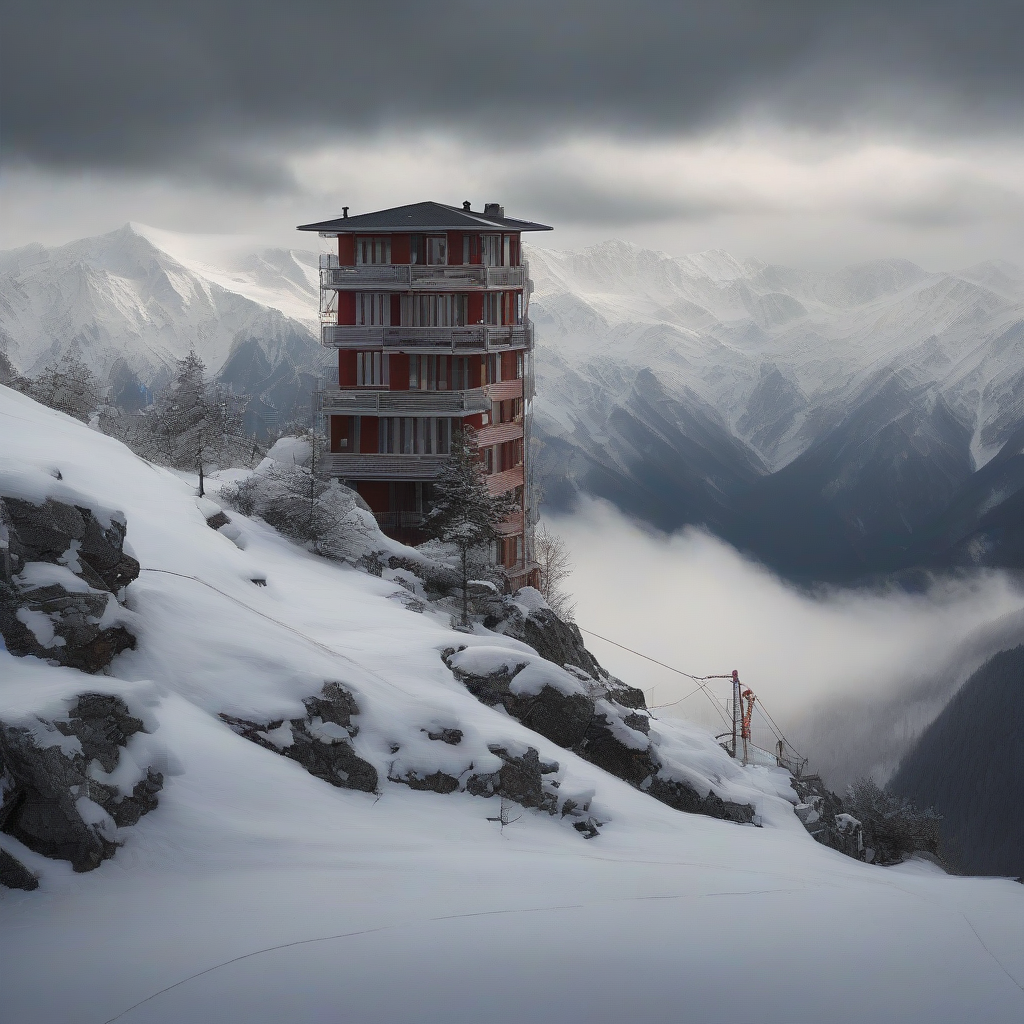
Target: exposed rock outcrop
[[61, 570], [53, 797], [582, 713], [320, 742], [526, 617], [14, 874], [519, 779]]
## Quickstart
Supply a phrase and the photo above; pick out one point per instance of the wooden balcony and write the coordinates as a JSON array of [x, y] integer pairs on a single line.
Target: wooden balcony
[[511, 526], [499, 433], [418, 277], [458, 340], [505, 390], [498, 483], [371, 402]]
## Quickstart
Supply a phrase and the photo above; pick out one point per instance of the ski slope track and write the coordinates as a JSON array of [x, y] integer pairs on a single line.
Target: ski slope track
[[256, 892]]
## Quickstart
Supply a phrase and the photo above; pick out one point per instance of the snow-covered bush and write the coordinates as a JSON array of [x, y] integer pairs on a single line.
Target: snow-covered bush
[[291, 491]]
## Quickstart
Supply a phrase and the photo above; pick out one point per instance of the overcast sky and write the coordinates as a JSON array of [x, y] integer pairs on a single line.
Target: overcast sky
[[800, 132]]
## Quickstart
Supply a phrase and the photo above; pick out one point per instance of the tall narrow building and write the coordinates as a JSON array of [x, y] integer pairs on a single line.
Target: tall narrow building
[[428, 308]]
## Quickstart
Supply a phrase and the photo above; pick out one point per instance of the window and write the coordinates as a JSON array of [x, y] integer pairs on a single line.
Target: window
[[429, 373], [414, 435], [437, 250], [372, 369], [506, 251], [493, 368], [460, 373], [373, 309], [434, 310], [373, 249], [491, 308], [490, 250]]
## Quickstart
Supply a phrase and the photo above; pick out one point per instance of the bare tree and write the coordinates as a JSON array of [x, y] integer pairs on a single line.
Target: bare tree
[[555, 568]]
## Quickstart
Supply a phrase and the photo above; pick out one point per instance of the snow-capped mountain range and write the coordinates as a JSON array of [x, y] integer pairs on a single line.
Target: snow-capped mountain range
[[827, 422], [135, 300], [696, 389], [778, 352]]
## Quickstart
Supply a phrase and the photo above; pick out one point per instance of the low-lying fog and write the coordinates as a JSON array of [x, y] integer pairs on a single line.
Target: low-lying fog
[[852, 676]]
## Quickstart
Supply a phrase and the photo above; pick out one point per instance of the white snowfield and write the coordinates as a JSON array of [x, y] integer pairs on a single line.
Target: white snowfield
[[257, 893]]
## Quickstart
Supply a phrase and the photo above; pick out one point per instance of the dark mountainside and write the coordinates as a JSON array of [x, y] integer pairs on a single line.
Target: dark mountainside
[[889, 488], [662, 461], [969, 765]]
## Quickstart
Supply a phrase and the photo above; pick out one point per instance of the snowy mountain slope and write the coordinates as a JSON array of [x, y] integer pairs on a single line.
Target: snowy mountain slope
[[125, 295], [432, 907]]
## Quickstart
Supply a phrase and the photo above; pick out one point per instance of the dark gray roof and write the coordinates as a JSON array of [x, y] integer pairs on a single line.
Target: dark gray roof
[[423, 217]]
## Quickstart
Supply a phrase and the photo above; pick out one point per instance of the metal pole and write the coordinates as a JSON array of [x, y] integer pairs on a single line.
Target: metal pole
[[735, 707]]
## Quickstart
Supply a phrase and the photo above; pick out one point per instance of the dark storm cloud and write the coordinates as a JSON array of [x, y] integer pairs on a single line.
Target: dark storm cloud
[[219, 89]]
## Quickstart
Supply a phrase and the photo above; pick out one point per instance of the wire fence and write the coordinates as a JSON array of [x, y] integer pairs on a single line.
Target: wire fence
[[741, 724]]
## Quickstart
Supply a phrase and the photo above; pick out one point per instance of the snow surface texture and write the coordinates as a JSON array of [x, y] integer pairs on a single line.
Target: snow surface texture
[[256, 892]]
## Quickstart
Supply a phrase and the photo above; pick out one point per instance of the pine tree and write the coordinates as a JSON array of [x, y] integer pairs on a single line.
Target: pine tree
[[68, 386], [463, 512], [196, 422]]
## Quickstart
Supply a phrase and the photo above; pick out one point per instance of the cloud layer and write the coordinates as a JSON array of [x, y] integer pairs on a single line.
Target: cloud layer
[[218, 90], [858, 671]]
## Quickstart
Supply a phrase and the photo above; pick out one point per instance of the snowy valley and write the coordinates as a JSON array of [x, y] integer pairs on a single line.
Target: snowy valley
[[301, 793]]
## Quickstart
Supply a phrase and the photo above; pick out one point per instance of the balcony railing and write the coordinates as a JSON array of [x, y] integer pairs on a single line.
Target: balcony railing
[[386, 467], [406, 277], [367, 402], [433, 339], [399, 520]]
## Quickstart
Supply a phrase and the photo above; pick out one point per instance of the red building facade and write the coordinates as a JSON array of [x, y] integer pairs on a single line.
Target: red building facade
[[427, 306]]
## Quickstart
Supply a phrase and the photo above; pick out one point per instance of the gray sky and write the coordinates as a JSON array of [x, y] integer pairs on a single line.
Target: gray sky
[[802, 132]]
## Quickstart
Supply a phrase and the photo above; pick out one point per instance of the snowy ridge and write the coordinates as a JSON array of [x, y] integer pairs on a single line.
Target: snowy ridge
[[394, 899], [127, 295]]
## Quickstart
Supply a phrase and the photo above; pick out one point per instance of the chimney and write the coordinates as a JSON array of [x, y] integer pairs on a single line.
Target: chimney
[[466, 206], [344, 213], [494, 210]]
